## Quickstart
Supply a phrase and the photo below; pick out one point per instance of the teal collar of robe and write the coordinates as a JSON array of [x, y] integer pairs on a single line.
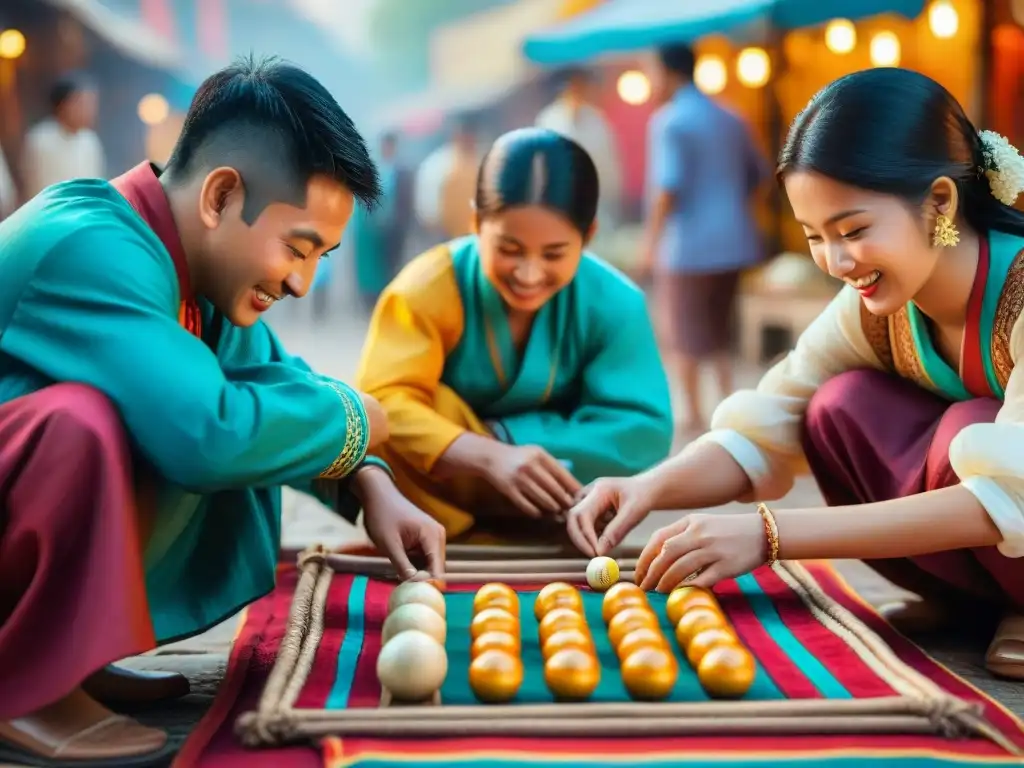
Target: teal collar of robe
[[142, 189]]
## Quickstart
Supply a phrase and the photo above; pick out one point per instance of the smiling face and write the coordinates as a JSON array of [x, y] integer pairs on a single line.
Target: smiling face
[[248, 267], [529, 254], [877, 243]]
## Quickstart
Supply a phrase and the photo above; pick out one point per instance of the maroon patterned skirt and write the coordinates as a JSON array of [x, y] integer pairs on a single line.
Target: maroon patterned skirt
[[870, 437], [72, 592]]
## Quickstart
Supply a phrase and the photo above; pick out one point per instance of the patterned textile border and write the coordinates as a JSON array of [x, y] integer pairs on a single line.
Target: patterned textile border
[[930, 700]]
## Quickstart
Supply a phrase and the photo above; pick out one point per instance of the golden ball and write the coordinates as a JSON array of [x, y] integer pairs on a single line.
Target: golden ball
[[559, 619], [496, 596], [650, 673], [557, 595], [567, 638], [493, 620], [682, 599], [625, 594], [572, 674], [696, 621], [496, 641], [727, 671], [628, 619], [644, 637], [705, 641], [495, 676]]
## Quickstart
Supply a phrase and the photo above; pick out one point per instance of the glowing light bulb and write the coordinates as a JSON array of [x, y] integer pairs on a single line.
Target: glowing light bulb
[[753, 67], [633, 87], [153, 109], [943, 19], [12, 44], [885, 49], [710, 74], [841, 36]]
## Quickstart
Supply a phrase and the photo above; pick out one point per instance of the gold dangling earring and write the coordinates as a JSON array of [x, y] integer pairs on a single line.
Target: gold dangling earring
[[945, 233]]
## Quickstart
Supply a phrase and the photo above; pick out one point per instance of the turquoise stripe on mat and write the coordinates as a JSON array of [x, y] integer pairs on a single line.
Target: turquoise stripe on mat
[[762, 606], [351, 645]]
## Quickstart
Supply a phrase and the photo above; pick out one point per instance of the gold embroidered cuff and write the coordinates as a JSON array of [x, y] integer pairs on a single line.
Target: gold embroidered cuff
[[357, 433], [771, 532]]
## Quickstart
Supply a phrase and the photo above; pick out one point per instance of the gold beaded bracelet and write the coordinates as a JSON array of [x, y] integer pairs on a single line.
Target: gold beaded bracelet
[[771, 532]]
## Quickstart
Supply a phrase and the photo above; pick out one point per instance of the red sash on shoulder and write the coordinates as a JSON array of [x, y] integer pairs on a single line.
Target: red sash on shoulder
[[141, 188], [972, 364]]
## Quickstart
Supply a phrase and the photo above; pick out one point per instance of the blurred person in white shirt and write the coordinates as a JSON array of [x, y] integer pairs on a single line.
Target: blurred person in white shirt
[[574, 114], [65, 145], [446, 182]]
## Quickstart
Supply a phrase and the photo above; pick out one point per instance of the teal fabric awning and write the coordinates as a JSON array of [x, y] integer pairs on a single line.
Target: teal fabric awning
[[620, 26]]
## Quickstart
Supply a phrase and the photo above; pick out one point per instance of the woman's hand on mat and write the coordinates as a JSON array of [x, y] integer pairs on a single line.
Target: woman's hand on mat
[[398, 528], [702, 549], [532, 479], [615, 504], [376, 419]]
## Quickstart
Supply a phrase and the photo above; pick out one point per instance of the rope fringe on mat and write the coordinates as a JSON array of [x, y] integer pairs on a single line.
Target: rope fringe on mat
[[921, 706], [272, 721]]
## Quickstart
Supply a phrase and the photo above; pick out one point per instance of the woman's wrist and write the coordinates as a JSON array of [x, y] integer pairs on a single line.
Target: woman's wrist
[[470, 454]]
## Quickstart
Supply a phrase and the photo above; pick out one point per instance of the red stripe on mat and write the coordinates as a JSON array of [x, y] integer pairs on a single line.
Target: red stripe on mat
[[834, 586], [212, 743], [831, 650], [325, 663], [739, 749], [787, 676]]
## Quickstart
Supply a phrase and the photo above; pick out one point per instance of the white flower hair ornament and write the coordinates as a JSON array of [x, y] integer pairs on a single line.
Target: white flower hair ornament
[[1004, 167]]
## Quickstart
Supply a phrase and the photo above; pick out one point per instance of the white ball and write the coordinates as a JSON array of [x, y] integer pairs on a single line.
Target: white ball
[[412, 666], [417, 592], [414, 616], [602, 572]]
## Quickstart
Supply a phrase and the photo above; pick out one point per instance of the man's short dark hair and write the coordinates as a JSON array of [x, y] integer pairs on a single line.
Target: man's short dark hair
[[678, 58], [278, 127], [577, 75], [67, 85]]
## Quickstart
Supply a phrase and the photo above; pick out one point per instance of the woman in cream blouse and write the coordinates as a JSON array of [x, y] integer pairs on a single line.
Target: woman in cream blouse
[[901, 399]]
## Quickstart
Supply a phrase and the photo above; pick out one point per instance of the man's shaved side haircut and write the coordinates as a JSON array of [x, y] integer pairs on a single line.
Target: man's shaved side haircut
[[278, 127]]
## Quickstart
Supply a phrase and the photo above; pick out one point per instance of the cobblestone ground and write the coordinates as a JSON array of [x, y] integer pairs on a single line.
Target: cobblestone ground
[[333, 345]]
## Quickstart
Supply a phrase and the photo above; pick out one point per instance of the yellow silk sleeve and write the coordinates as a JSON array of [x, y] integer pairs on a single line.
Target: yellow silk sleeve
[[418, 319]]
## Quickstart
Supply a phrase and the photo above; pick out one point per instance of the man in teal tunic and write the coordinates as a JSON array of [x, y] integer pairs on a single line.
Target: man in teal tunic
[[149, 417]]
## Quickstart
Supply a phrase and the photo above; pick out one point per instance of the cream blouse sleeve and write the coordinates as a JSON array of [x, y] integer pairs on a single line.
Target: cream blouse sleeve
[[989, 458], [761, 428]]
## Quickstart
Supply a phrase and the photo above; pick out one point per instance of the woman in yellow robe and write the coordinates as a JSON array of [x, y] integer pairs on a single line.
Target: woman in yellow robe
[[515, 367]]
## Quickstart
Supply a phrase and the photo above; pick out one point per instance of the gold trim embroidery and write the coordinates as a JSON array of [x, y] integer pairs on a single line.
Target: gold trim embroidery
[[904, 351], [492, 348], [357, 437], [1010, 305], [876, 331]]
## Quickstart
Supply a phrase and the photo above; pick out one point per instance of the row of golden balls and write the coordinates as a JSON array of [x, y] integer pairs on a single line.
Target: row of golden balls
[[496, 664], [648, 667], [724, 666], [413, 663], [571, 669]]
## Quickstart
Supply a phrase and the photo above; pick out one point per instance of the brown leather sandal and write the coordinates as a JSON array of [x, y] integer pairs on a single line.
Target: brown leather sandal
[[79, 731], [120, 687], [916, 617], [1005, 656]]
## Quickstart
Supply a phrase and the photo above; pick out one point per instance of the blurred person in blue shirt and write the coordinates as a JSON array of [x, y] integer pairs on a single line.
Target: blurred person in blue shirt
[[380, 234], [703, 169]]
